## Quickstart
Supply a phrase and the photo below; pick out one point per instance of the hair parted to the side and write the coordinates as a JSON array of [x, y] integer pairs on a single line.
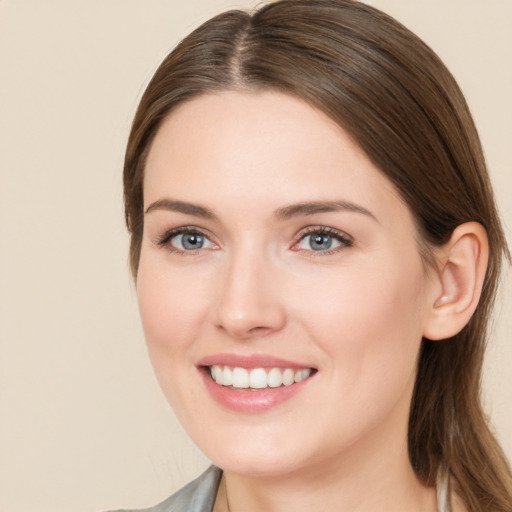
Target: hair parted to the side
[[398, 101]]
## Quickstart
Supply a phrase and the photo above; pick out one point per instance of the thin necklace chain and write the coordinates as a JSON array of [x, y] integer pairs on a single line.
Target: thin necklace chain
[[226, 494]]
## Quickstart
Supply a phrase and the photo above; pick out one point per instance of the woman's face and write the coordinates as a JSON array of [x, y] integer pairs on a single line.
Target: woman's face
[[275, 251]]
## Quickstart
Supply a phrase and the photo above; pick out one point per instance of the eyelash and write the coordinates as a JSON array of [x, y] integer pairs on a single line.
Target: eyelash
[[165, 239], [345, 240]]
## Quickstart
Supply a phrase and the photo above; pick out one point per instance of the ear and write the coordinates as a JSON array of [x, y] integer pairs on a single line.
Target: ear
[[462, 264]]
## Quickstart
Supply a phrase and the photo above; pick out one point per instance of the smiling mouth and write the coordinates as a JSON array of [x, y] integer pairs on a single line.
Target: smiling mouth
[[257, 378]]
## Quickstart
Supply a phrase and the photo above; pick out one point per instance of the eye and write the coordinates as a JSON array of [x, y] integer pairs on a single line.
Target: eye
[[319, 242], [189, 241], [322, 239], [186, 240]]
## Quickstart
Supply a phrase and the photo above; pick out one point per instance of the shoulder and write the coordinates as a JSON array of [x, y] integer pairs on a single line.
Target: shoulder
[[197, 496]]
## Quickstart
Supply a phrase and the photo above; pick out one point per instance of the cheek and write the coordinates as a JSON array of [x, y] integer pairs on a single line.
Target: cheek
[[171, 311], [172, 314], [368, 322]]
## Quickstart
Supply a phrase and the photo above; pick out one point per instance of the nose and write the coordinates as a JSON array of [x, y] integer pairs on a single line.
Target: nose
[[250, 304]]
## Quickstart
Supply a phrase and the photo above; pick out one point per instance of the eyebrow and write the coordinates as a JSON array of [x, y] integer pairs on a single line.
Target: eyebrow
[[282, 214], [181, 207], [314, 207]]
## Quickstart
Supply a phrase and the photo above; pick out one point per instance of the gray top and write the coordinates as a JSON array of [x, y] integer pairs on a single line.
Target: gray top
[[199, 495]]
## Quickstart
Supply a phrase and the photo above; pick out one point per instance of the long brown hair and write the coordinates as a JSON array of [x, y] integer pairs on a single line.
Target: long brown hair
[[398, 101]]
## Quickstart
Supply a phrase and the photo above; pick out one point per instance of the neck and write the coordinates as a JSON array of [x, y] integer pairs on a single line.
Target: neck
[[376, 475], [400, 494]]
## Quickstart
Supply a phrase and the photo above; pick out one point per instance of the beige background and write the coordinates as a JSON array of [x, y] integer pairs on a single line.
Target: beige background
[[83, 425]]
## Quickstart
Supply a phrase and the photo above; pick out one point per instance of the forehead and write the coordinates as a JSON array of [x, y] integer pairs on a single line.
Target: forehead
[[265, 147]]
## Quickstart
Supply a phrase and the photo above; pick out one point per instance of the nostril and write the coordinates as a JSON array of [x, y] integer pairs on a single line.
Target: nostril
[[260, 330], [245, 333]]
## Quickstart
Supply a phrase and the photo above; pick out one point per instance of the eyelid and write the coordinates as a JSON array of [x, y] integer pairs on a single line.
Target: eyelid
[[164, 240], [345, 239]]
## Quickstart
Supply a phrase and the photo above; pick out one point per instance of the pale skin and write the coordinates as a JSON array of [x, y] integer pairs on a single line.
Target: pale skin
[[237, 169]]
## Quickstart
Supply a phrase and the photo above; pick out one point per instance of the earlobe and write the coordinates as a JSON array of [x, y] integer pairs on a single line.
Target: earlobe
[[460, 277]]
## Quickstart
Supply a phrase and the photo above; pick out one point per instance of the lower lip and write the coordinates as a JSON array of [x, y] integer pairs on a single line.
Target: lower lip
[[250, 400]]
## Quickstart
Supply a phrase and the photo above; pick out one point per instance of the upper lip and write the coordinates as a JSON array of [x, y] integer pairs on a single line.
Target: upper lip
[[250, 361]]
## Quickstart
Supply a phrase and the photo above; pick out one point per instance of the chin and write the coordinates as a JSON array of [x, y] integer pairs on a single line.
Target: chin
[[263, 455], [261, 465]]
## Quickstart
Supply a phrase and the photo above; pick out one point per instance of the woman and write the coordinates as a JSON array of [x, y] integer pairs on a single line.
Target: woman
[[317, 249]]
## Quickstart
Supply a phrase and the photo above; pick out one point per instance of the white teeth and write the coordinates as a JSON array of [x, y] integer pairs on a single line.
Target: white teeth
[[257, 378], [275, 378], [217, 374], [302, 374], [227, 376], [288, 377], [240, 378]]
